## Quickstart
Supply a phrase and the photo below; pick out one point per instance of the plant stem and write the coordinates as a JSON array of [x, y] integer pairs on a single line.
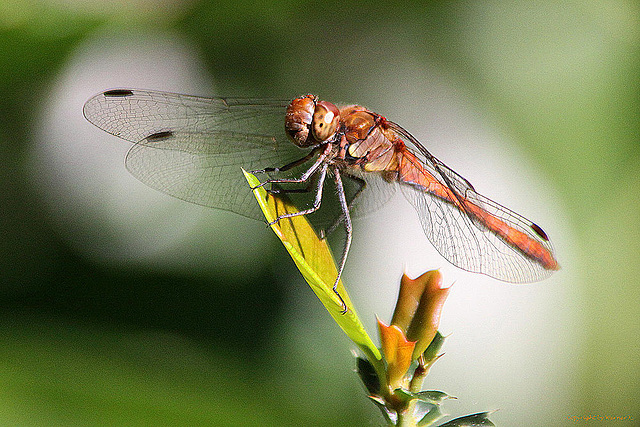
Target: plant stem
[[419, 375], [406, 418]]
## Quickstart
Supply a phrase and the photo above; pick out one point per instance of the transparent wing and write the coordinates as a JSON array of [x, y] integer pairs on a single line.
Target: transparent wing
[[471, 231], [193, 148], [373, 196]]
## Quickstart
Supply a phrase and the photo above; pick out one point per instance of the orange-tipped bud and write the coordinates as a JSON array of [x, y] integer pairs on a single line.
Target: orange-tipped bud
[[397, 352], [419, 307]]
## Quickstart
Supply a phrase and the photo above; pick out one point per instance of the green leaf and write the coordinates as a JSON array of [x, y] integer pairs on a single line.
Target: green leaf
[[434, 397], [313, 258], [474, 420], [404, 395], [431, 417], [368, 375], [389, 415], [431, 353]]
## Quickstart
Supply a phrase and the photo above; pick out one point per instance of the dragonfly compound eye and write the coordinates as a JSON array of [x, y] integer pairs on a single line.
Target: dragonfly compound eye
[[326, 118], [298, 120]]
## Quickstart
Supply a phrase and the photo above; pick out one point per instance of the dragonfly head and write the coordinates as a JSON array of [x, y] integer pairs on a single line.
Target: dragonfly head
[[309, 121]]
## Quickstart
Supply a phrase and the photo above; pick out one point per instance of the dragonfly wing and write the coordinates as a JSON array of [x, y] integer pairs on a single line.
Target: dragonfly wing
[[471, 231], [194, 148], [373, 196], [203, 172], [134, 114]]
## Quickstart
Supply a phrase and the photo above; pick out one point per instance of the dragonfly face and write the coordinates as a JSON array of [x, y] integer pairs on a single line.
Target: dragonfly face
[[193, 148], [309, 122]]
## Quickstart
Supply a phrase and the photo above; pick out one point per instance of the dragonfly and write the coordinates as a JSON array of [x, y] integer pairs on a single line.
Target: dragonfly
[[193, 148]]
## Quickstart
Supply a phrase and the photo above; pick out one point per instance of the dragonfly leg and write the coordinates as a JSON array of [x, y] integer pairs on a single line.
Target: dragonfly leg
[[288, 165], [347, 225], [306, 189], [316, 203], [305, 176], [362, 185]]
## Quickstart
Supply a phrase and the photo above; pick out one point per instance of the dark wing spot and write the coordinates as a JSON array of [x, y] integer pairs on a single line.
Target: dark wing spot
[[159, 136], [118, 92], [540, 232]]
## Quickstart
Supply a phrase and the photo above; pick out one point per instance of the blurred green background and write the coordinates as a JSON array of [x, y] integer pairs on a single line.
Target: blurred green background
[[120, 306]]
